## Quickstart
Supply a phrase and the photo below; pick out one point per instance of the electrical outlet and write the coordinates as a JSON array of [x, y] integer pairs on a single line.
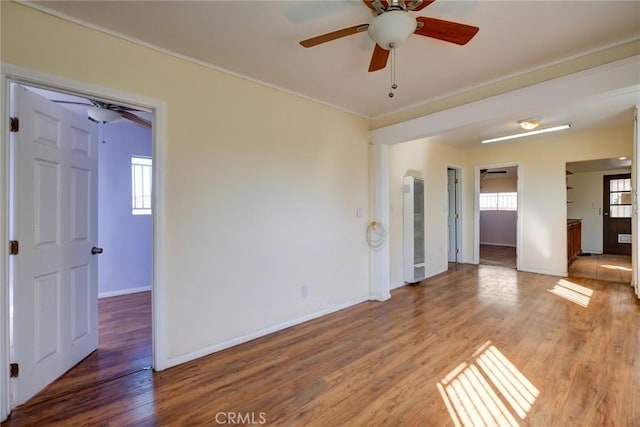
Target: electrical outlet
[[304, 291]]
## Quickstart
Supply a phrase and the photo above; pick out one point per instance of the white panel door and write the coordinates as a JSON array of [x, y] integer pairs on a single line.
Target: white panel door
[[54, 218]]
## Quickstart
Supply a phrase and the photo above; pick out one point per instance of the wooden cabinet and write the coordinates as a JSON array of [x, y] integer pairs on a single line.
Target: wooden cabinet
[[574, 239]]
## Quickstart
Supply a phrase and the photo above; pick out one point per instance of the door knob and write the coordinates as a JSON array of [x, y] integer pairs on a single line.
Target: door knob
[[95, 251]]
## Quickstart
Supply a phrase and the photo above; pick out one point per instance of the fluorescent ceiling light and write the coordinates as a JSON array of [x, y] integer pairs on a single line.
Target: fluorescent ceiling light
[[523, 134]]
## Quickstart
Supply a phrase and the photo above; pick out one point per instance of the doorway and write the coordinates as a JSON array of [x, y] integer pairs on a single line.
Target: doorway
[[497, 215], [128, 117], [616, 215], [454, 216], [602, 250]]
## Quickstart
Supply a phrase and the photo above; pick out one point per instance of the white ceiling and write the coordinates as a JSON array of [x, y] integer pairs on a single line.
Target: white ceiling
[[259, 40]]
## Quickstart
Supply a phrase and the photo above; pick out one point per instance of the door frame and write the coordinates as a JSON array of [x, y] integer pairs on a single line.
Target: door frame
[[458, 220], [13, 74], [476, 209]]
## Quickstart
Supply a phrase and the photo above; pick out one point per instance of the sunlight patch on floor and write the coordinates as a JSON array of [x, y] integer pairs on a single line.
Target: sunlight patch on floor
[[487, 390], [572, 292], [615, 267]]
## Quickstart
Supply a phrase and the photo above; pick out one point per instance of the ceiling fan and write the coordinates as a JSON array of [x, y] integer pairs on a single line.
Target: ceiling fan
[[393, 24], [104, 112], [485, 172]]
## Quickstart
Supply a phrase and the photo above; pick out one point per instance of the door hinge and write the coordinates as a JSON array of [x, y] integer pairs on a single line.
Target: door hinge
[[456, 181], [15, 124], [14, 370], [14, 247], [457, 251], [457, 216]]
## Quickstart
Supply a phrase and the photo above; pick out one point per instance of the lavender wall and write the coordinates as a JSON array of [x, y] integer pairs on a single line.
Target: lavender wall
[[125, 266]]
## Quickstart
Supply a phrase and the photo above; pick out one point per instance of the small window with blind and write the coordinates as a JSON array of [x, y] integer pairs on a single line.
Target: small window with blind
[[498, 201], [620, 198], [141, 185]]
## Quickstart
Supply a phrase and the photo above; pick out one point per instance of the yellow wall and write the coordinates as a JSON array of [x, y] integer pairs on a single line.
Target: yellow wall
[[541, 178], [261, 187], [542, 185], [428, 161]]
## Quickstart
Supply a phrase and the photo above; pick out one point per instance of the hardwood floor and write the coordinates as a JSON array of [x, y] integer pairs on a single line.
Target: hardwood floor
[[478, 345], [611, 268], [504, 256], [124, 346]]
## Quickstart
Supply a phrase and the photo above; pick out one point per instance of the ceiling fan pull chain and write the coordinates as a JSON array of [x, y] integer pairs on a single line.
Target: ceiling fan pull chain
[[394, 86]]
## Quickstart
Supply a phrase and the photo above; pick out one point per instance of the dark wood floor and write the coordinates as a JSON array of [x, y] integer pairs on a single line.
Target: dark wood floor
[[474, 346], [124, 347], [504, 256]]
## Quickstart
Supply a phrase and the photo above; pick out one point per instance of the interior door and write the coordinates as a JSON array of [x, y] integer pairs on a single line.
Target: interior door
[[54, 217], [616, 215], [452, 217]]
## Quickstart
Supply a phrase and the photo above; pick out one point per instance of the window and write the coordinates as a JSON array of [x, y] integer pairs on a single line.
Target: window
[[498, 201], [141, 185], [620, 198]]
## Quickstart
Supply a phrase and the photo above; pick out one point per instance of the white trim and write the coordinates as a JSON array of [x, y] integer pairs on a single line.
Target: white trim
[[507, 77], [545, 272], [174, 54], [506, 245], [459, 220], [380, 258], [5, 402], [476, 210], [614, 76], [123, 292], [398, 285], [32, 77], [260, 333]]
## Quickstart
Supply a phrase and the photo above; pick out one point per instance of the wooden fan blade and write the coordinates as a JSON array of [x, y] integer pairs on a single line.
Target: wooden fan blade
[[447, 31], [369, 3], [385, 4], [378, 59], [424, 4], [135, 119], [314, 41]]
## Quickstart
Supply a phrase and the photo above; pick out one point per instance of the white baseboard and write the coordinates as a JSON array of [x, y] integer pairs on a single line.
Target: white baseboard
[[123, 292], [509, 245], [547, 272], [173, 361], [398, 285]]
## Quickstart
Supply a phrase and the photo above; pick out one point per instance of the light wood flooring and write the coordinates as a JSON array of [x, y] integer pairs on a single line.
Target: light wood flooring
[[504, 256], [475, 345], [612, 268]]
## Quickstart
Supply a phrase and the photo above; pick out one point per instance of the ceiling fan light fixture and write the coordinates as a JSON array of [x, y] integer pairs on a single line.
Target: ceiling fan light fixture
[[529, 124], [390, 29], [103, 115]]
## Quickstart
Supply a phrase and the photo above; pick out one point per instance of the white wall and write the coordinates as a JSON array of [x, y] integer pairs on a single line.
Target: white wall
[[125, 266], [586, 197], [260, 187], [543, 195], [428, 161]]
